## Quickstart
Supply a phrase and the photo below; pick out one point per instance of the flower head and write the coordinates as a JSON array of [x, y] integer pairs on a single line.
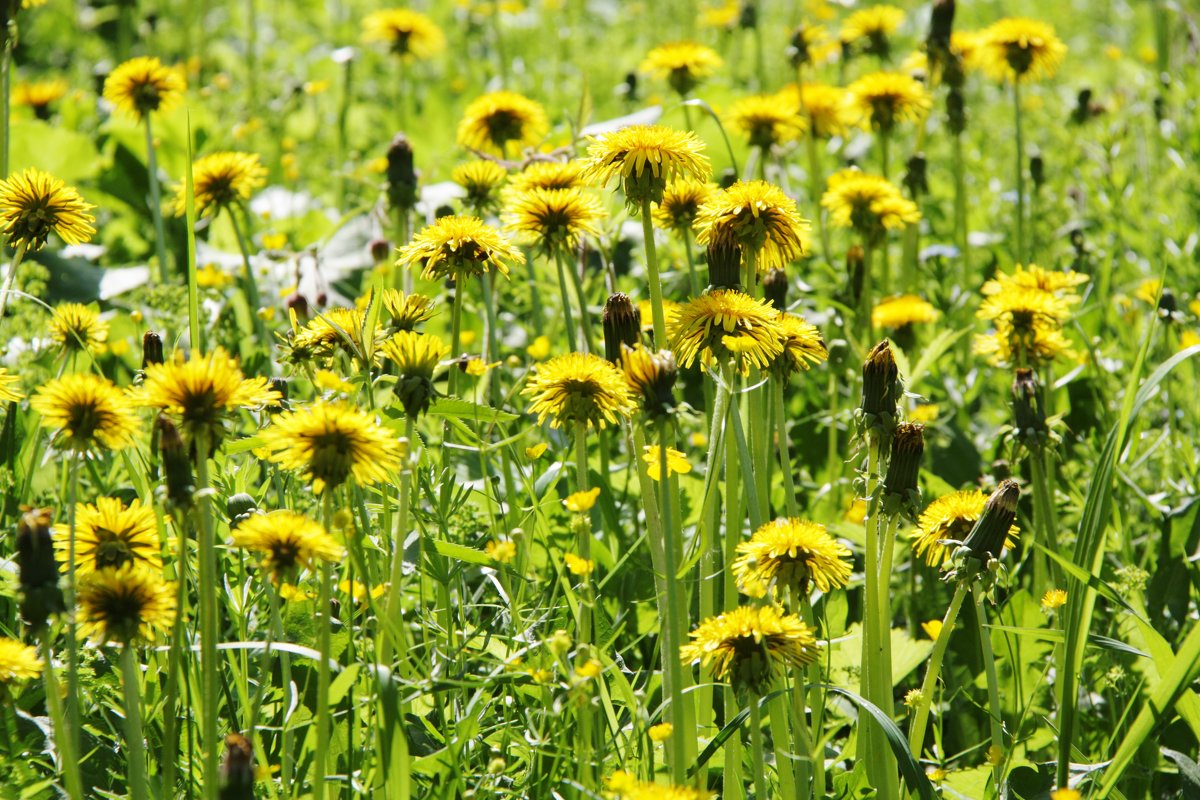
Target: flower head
[[330, 443], [35, 204], [109, 534], [1053, 599], [624, 786], [403, 312], [1019, 49], [870, 204], [493, 120], [579, 388], [287, 541], [126, 604], [548, 175], [748, 645], [724, 326], [410, 34], [684, 65], [414, 357], [907, 309], [582, 502], [340, 330], [757, 217], [870, 27], [643, 158], [18, 662], [824, 108], [460, 247], [1009, 345], [76, 328], [482, 180], [651, 375], [1057, 282], [220, 180], [38, 95], [143, 85], [553, 218], [765, 121], [10, 387], [949, 519], [681, 203], [885, 98], [790, 554], [803, 345], [87, 411], [1023, 307], [677, 463]]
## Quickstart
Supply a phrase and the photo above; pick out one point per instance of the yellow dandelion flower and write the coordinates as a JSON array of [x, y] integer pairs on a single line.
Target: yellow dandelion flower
[[589, 669], [577, 566], [1066, 794], [548, 175], [76, 328], [824, 108], [950, 518], [1060, 283], [579, 389], [210, 276], [722, 16], [294, 594], [482, 181], [329, 381], [651, 376], [646, 313], [765, 121], [907, 309], [681, 203], [357, 591], [803, 345], [1053, 599], [460, 247], [126, 604], [10, 387], [1186, 339], [330, 442], [925, 414], [870, 204], [726, 326], [410, 34], [660, 732], [502, 551], [406, 311], [683, 65], [109, 534], [791, 554], [872, 26], [287, 541], [885, 98], [759, 218], [1020, 49], [677, 463], [495, 119], [87, 412], [1023, 307], [932, 628], [1008, 345], [625, 787], [220, 180], [1148, 291], [553, 218], [39, 95], [414, 357], [35, 204], [748, 645], [143, 85], [582, 502], [18, 662], [539, 348], [643, 159], [337, 330]]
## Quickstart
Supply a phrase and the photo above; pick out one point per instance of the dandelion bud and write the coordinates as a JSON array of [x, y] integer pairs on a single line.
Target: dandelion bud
[[775, 286], [1037, 170], [652, 375], [797, 50], [881, 381], [1029, 416], [322, 299], [855, 268], [177, 467], [379, 249], [240, 507], [748, 16], [152, 348], [901, 493], [401, 174], [298, 303], [237, 769], [956, 111], [1167, 305], [915, 179], [280, 385], [629, 87], [724, 265], [727, 178], [622, 325], [987, 538], [1083, 106], [941, 25], [37, 569], [1160, 108]]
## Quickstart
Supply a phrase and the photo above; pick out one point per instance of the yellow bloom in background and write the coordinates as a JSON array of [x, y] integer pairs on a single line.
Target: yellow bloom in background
[[872, 26], [759, 218], [803, 345], [644, 158], [1023, 307], [539, 349], [907, 309], [580, 567], [1186, 339], [670, 312], [336, 330], [477, 367], [288, 542], [932, 628], [501, 550], [883, 99], [871, 204], [482, 181], [35, 204], [925, 414], [409, 34], [582, 502], [294, 594], [548, 175], [132, 603], [579, 389], [722, 16], [210, 276], [18, 662], [765, 121], [329, 381], [1057, 282], [221, 180], [87, 412], [1066, 794], [1053, 599], [330, 442], [726, 326], [109, 534], [460, 247], [76, 328], [202, 392], [1020, 49], [38, 95], [677, 463], [857, 511], [143, 85], [660, 732], [10, 387], [589, 669], [1008, 345], [681, 203], [536, 452], [825, 109], [553, 218], [494, 120], [950, 518], [749, 645], [790, 554], [358, 591], [624, 786], [684, 65], [1148, 291]]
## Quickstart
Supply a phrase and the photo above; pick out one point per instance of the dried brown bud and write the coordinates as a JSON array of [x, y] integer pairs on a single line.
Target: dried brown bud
[[37, 568], [987, 538], [152, 348], [775, 286], [237, 769], [622, 325]]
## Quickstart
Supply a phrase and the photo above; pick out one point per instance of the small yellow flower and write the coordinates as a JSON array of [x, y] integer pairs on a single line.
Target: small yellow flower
[[559, 642], [589, 669], [1021, 49], [143, 85], [358, 591], [328, 381], [1053, 599], [684, 65], [38, 95], [1066, 794], [937, 774], [1188, 339], [857, 511], [677, 463], [580, 567], [535, 452], [926, 413], [541, 675], [410, 34], [274, 241], [539, 349], [477, 367], [18, 663], [995, 756], [932, 628], [582, 502], [698, 439], [661, 732], [294, 594], [501, 550], [907, 309], [913, 698], [210, 276], [1148, 291], [77, 328]]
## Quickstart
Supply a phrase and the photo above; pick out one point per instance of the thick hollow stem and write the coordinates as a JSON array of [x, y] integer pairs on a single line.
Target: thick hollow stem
[[10, 279], [68, 761], [676, 611], [916, 731], [208, 624], [135, 753], [160, 237], [324, 631], [568, 315], [993, 686], [652, 277], [1021, 254], [756, 751]]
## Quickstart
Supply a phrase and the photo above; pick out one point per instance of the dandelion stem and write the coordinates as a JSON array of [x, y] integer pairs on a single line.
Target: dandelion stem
[[135, 753], [252, 296], [68, 760], [160, 237], [208, 622], [1020, 141], [790, 767], [10, 280], [693, 278], [993, 686], [399, 534], [73, 701], [652, 277], [675, 612], [785, 459], [710, 523], [756, 751], [324, 630], [814, 192], [916, 731], [960, 212], [1043, 512], [865, 304]]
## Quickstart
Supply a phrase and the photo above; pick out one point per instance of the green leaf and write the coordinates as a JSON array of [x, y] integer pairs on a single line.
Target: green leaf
[[464, 409], [462, 553], [913, 775]]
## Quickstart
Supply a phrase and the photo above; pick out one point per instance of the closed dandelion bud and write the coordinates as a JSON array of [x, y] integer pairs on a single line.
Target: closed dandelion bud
[[298, 303], [775, 286], [240, 507], [652, 376], [941, 25], [901, 493], [279, 385], [379, 249], [855, 267], [629, 87], [724, 265], [748, 16], [1160, 108], [797, 50], [1083, 106], [915, 179], [401, 174], [987, 538], [1029, 416], [1167, 306], [881, 390], [37, 569], [237, 769], [956, 111], [622, 325], [727, 178], [1037, 170], [152, 348], [177, 467]]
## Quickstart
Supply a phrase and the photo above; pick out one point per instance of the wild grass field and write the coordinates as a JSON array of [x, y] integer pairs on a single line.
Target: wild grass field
[[597, 399]]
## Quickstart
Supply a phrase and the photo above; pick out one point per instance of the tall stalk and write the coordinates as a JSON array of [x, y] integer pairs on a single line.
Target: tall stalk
[[568, 317], [74, 716], [135, 753], [1021, 253], [251, 282], [208, 624], [399, 534], [675, 612], [652, 277], [160, 237], [324, 631], [10, 280], [993, 687], [68, 755], [916, 730]]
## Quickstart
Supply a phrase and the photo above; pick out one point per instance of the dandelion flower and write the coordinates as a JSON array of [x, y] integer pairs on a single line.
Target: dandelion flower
[[748, 645], [908, 309], [1057, 282], [950, 518], [579, 389], [677, 463], [406, 311], [660, 732], [681, 204], [287, 541], [332, 442], [624, 786], [35, 204], [870, 204], [220, 180], [143, 85], [765, 121], [1020, 49], [872, 27], [724, 326], [1023, 307], [77, 328], [824, 108], [482, 180], [460, 247], [337, 330], [39, 95], [502, 551], [886, 98], [414, 357], [10, 387], [126, 604], [758, 217], [493, 120], [555, 219], [577, 566], [1009, 345], [803, 345], [548, 175], [410, 34], [684, 65], [643, 158], [18, 662], [87, 411], [109, 534], [790, 554], [651, 375], [1053, 599]]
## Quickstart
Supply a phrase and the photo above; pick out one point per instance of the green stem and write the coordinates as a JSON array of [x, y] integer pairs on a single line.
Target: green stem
[[396, 580], [1021, 254], [710, 523], [756, 752], [74, 717], [1043, 512], [6, 49], [653, 278], [568, 316], [160, 236], [815, 193], [135, 753], [674, 613], [865, 304], [693, 277], [993, 686], [208, 624], [785, 459], [916, 731], [252, 295], [791, 768], [960, 213], [324, 635], [68, 760], [10, 280]]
